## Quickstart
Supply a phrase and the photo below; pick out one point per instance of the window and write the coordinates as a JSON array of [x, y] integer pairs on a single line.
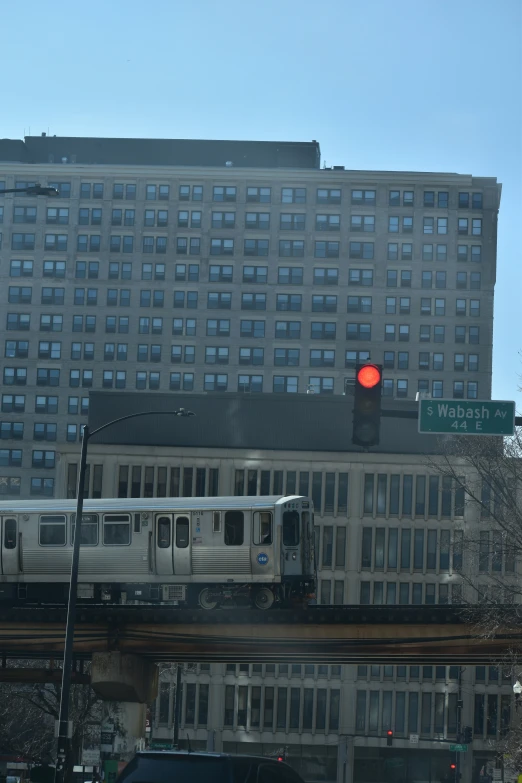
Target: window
[[361, 250], [328, 196], [52, 529], [442, 225], [293, 196], [292, 222], [215, 382], [290, 275], [328, 250], [185, 192], [291, 248], [320, 385], [285, 357], [253, 328], [14, 430], [52, 296], [224, 193], [357, 331], [288, 302], [250, 383], [43, 459], [285, 384], [325, 303], [476, 226], [321, 358], [22, 294], [22, 268], [47, 350], [366, 197], [255, 274], [327, 222], [215, 327], [216, 355], [47, 377], [221, 247], [288, 329], [259, 195], [22, 241], [24, 214], [363, 277], [18, 322], [220, 219], [352, 358], [116, 529]]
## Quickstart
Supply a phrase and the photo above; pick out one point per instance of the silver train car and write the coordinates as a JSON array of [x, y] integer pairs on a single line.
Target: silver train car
[[205, 552]]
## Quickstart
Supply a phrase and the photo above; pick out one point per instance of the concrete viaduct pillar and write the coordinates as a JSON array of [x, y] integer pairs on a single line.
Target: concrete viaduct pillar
[[126, 683]]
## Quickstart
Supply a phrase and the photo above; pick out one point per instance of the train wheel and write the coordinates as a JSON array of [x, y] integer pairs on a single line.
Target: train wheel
[[205, 601], [263, 598]]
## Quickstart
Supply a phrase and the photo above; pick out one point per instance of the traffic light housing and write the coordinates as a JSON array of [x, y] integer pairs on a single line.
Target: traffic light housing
[[467, 734], [367, 405], [389, 737]]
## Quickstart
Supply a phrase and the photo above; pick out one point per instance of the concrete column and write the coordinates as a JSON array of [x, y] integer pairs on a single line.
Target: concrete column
[[126, 683]]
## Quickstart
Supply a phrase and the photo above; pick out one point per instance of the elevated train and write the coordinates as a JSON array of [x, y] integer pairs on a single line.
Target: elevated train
[[204, 552]]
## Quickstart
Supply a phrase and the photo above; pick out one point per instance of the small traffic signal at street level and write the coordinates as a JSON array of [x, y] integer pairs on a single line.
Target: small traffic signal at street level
[[389, 737], [467, 733], [367, 405]]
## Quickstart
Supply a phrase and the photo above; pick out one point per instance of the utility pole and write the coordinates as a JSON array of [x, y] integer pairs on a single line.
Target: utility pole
[[459, 726], [177, 707]]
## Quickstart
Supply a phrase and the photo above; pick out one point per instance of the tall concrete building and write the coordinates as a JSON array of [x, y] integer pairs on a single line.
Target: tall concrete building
[[211, 266]]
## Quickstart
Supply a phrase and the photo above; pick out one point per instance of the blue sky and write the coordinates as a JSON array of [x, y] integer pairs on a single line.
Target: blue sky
[[381, 84]]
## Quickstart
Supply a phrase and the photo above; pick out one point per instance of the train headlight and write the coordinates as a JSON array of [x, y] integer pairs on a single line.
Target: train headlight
[[294, 556]]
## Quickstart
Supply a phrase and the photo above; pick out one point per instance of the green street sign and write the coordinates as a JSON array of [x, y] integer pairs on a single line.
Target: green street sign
[[467, 417], [459, 748], [160, 745]]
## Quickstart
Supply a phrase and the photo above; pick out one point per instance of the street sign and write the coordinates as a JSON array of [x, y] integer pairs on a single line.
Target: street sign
[[414, 739], [467, 417], [160, 745], [459, 748]]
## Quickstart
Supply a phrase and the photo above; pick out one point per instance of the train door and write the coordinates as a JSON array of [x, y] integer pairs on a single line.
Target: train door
[[307, 544], [164, 562], [291, 550], [10, 556], [181, 551]]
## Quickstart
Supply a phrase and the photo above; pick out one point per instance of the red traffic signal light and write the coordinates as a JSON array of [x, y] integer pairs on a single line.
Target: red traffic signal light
[[367, 405], [280, 758], [389, 737], [369, 375], [453, 767]]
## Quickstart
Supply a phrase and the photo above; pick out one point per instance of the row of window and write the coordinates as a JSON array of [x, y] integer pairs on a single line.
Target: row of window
[[409, 593], [406, 549], [17, 376], [128, 191], [137, 481], [283, 357], [404, 713], [43, 487], [288, 221], [282, 709], [412, 496], [40, 459], [425, 674], [329, 491], [16, 403], [306, 671], [221, 273], [194, 704], [92, 243]]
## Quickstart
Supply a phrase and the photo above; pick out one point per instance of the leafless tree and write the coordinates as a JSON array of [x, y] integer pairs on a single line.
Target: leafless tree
[[489, 471]]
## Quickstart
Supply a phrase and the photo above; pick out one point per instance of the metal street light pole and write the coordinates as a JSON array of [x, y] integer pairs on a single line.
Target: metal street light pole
[[33, 190], [63, 744]]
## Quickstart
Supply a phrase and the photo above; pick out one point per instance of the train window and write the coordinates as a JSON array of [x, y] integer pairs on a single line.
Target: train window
[[10, 534], [262, 527], [182, 532], [116, 529], [52, 530], [89, 531], [234, 528], [216, 521], [163, 532], [290, 528]]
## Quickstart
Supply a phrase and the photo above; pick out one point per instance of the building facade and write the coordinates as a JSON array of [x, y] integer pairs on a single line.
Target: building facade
[[388, 530], [228, 266]]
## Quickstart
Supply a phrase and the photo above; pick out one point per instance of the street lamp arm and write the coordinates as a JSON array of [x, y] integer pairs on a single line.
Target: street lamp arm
[[180, 412]]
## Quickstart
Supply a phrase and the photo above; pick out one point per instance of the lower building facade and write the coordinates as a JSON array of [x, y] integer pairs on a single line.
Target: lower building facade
[[388, 530]]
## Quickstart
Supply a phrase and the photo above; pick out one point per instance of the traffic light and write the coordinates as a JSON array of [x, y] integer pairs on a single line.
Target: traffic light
[[467, 733], [367, 405], [389, 737]]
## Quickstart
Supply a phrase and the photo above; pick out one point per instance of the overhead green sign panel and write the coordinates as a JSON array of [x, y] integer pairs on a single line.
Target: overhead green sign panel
[[459, 748], [467, 417]]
